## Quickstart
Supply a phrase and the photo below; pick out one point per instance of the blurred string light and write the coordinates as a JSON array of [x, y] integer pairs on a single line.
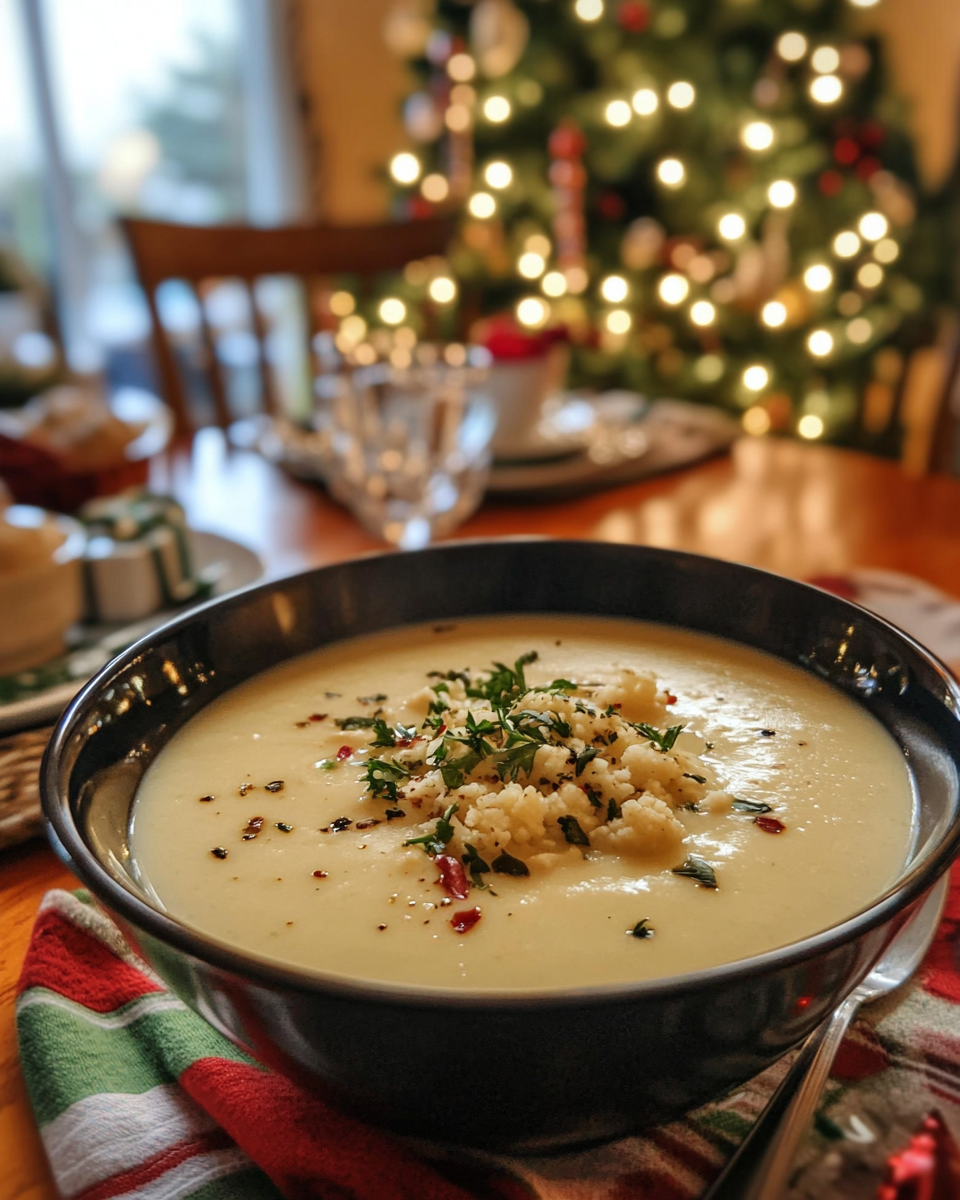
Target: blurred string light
[[886, 251], [810, 426], [405, 168], [673, 289], [864, 3], [791, 46], [589, 10], [757, 135], [756, 378], [463, 94], [671, 172], [577, 280], [818, 277], [703, 313], [781, 193], [457, 118], [618, 321], [461, 68], [532, 312], [681, 94], [435, 188], [756, 421], [538, 243], [442, 289], [614, 288], [617, 113], [873, 226], [820, 343], [392, 310], [826, 89], [870, 275], [498, 175], [554, 284], [846, 244], [645, 102], [709, 368], [773, 314], [531, 265], [496, 109], [482, 205], [825, 60], [859, 331], [342, 304], [731, 227]]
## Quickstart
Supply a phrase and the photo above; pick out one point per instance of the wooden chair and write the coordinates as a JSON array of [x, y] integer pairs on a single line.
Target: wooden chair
[[199, 254]]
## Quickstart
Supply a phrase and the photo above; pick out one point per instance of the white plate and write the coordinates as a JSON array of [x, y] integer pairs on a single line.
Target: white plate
[[563, 429], [48, 689]]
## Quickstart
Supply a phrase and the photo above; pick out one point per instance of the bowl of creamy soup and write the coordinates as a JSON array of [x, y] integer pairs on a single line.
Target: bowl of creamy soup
[[595, 831]]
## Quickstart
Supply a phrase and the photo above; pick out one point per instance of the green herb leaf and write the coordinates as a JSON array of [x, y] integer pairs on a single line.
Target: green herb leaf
[[475, 865], [375, 699], [383, 734], [463, 676], [593, 797], [355, 722], [454, 771], [751, 806], [587, 754], [663, 741], [614, 811], [698, 869], [518, 757], [572, 831], [695, 778], [506, 864], [382, 776], [436, 842], [561, 685], [641, 929]]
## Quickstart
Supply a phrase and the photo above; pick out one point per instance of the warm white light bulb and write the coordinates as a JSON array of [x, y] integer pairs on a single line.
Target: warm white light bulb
[[826, 89], [461, 68], [703, 313], [773, 314], [537, 243], [758, 135], [825, 60], [482, 205], [496, 109], [731, 227], [810, 426], [589, 10], [645, 102], [818, 277], [617, 113], [673, 289], [792, 46], [781, 193], [820, 343], [756, 378], [531, 266], [864, 3], [342, 304], [442, 289], [619, 321], [681, 94], [457, 118], [405, 168], [577, 279], [554, 284], [392, 310], [614, 288], [532, 312], [846, 244], [756, 421], [435, 188], [886, 251], [671, 172], [873, 226], [498, 175], [859, 331], [870, 275]]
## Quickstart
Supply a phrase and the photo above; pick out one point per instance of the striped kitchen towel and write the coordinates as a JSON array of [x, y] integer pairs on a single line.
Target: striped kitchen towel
[[137, 1096]]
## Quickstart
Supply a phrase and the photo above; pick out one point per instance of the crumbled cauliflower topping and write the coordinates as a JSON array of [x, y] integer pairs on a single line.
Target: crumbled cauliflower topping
[[532, 776]]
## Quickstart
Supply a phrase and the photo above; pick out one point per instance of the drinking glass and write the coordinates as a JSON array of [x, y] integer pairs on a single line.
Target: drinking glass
[[408, 447]]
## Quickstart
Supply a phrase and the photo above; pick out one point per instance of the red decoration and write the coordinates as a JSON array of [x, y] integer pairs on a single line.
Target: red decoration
[[872, 134], [611, 206], [463, 922], [868, 166], [452, 878], [419, 208], [633, 16], [569, 179], [927, 1168], [567, 141], [830, 183], [846, 151], [506, 341]]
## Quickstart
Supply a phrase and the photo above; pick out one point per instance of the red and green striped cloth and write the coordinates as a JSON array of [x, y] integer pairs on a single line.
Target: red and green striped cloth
[[138, 1097]]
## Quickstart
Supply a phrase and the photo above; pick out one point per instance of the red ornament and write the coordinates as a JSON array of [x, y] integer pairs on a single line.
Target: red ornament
[[419, 208], [633, 16], [567, 141], [830, 183], [868, 166], [846, 151], [611, 206], [872, 134]]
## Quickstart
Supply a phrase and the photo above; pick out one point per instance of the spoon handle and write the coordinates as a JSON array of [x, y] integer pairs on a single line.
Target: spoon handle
[[760, 1167]]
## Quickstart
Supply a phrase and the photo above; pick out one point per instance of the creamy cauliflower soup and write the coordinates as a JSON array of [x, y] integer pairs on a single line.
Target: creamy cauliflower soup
[[523, 802]]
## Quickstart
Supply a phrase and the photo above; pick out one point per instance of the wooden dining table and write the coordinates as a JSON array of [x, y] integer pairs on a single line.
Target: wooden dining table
[[795, 508]]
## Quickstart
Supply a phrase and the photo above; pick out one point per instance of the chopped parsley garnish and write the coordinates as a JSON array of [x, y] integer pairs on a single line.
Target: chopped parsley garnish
[[463, 676], [593, 797], [614, 811], [698, 869], [378, 698], [506, 864], [663, 741], [751, 806], [561, 685], [518, 757], [641, 929], [436, 842], [572, 831], [475, 865], [504, 685], [587, 754], [382, 776], [384, 735], [355, 722], [695, 778]]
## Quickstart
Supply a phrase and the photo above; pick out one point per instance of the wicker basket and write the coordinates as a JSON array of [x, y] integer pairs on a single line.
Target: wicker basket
[[20, 755]]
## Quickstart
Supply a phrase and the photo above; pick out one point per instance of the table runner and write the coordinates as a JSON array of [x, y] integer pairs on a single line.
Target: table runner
[[137, 1096]]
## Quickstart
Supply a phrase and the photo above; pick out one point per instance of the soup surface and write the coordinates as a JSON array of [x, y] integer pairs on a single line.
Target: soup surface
[[396, 808]]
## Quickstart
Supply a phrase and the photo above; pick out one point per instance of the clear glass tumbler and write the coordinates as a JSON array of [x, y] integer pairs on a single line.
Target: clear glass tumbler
[[408, 448]]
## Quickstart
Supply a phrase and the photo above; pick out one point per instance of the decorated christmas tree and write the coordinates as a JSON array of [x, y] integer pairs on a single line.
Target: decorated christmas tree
[[717, 198]]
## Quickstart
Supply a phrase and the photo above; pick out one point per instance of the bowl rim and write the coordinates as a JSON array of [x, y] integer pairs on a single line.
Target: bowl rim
[[66, 839]]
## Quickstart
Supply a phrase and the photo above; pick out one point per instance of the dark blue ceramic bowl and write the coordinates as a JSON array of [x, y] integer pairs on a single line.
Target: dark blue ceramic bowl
[[542, 1071]]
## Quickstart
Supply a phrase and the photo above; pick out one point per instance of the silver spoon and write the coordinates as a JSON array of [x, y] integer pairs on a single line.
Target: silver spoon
[[761, 1166]]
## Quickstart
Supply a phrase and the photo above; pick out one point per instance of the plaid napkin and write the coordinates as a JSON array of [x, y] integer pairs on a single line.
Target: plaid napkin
[[136, 1096]]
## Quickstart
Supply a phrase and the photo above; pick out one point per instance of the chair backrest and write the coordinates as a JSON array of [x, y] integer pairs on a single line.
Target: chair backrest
[[198, 254]]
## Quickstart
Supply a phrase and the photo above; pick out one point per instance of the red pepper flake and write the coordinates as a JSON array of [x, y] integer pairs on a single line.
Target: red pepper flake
[[769, 824], [318, 716], [452, 879], [368, 823], [206, 799], [464, 921], [218, 852], [344, 753], [276, 786], [440, 731], [320, 874], [254, 825], [671, 698]]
